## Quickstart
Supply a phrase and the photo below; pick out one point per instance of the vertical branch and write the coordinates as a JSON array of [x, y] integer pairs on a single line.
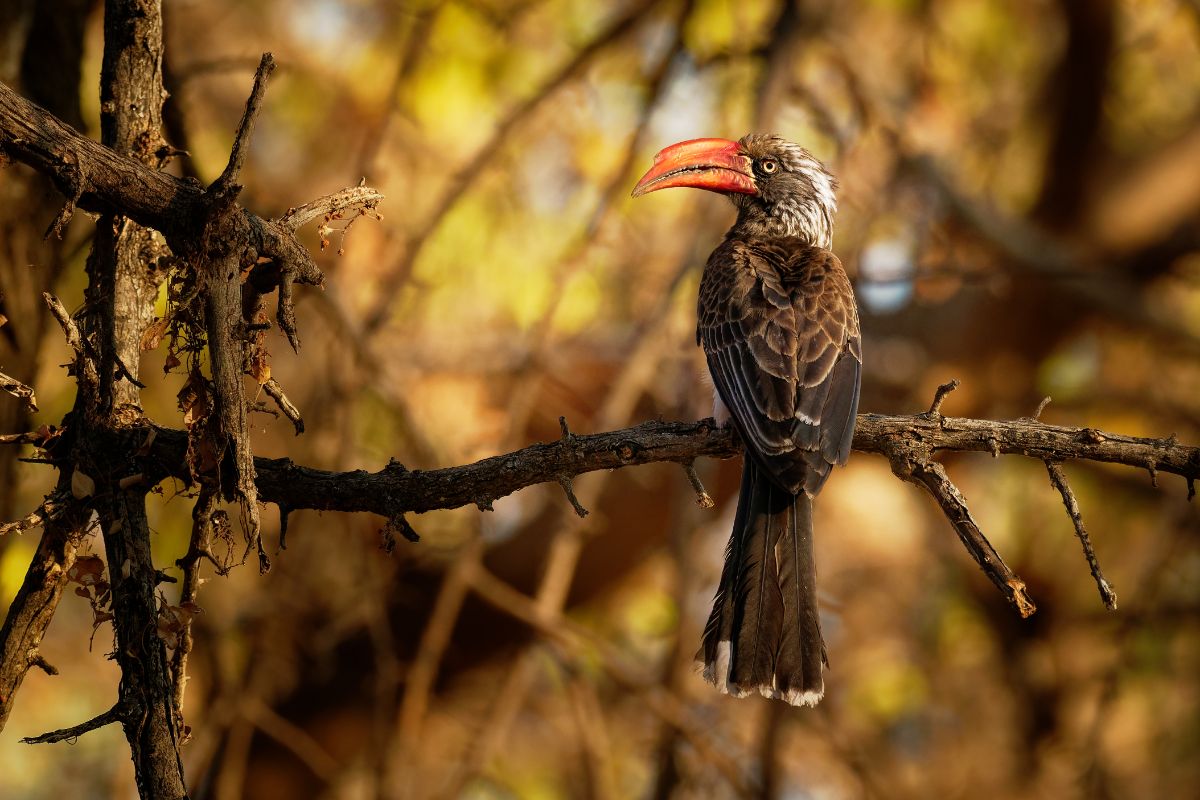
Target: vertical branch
[[122, 288], [150, 727], [198, 549], [31, 611], [220, 258], [122, 267]]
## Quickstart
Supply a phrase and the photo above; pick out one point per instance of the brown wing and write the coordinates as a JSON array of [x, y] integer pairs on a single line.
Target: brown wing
[[779, 326]]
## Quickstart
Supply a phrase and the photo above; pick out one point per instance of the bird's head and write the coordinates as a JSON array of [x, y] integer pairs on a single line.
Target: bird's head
[[777, 186]]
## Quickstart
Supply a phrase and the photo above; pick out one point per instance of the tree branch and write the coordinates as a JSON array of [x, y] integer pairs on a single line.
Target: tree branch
[[241, 142], [911, 461], [1107, 594], [115, 714], [394, 490], [20, 391], [95, 178]]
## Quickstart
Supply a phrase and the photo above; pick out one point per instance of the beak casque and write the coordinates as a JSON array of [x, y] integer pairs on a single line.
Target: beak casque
[[717, 165]]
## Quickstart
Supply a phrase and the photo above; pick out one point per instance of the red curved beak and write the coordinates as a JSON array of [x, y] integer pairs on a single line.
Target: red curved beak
[[717, 165]]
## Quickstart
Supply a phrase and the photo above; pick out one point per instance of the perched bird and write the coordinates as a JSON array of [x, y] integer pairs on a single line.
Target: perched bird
[[779, 327]]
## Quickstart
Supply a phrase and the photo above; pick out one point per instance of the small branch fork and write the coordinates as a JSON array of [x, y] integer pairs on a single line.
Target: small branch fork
[[564, 479], [913, 463]]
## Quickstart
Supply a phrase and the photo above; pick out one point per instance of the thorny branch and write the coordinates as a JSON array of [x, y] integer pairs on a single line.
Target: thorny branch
[[909, 442], [219, 242]]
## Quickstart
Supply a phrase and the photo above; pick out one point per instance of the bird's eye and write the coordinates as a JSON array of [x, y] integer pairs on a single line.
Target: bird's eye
[[769, 165]]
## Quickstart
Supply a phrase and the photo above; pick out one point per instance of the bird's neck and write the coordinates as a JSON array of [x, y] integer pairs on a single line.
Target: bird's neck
[[807, 219]]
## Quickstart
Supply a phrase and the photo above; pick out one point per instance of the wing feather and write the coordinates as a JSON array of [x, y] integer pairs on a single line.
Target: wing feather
[[779, 327]]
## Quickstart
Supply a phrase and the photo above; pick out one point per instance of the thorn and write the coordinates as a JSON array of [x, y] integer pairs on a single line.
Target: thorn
[[397, 524], [60, 221], [935, 408], [284, 512], [569, 488], [703, 498]]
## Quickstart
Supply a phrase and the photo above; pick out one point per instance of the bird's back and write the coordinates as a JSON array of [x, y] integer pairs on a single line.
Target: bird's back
[[778, 323]]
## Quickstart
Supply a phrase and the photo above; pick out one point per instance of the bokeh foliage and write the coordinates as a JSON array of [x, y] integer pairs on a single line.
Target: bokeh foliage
[[1019, 205]]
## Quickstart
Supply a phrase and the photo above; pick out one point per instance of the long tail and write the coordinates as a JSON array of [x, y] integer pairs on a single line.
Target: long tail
[[764, 632]]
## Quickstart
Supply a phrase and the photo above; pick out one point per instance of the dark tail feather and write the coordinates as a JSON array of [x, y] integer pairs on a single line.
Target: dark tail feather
[[764, 633]]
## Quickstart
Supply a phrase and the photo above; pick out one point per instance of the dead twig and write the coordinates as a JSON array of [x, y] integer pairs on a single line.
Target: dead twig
[[20, 391], [199, 547], [86, 372], [27, 437], [364, 199], [935, 408], [703, 498], [1107, 594], [51, 508], [912, 463], [272, 388], [115, 714], [224, 185]]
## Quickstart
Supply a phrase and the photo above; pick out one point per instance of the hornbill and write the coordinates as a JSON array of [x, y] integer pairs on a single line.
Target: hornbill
[[779, 327]]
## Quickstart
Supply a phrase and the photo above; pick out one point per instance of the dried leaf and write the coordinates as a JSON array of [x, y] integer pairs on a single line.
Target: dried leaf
[[47, 432], [81, 485], [194, 398], [153, 335], [260, 366], [87, 571], [190, 608]]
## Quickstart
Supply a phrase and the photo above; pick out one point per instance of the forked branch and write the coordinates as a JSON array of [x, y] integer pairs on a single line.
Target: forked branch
[[909, 442]]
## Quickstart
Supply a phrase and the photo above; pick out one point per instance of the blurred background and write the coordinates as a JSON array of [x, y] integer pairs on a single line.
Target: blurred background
[[1020, 209]]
